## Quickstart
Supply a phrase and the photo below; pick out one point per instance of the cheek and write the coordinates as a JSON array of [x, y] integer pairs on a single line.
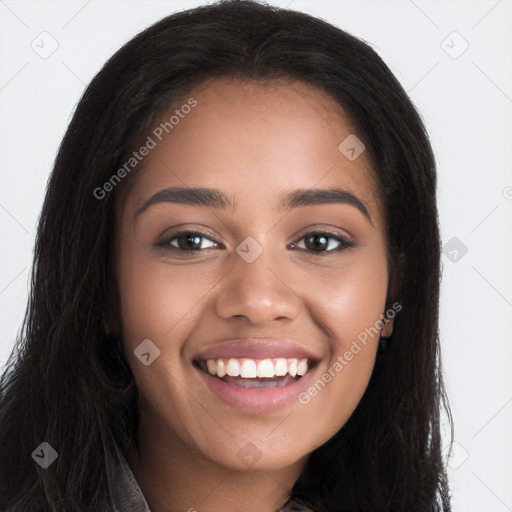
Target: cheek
[[157, 299], [350, 298], [348, 305], [160, 303]]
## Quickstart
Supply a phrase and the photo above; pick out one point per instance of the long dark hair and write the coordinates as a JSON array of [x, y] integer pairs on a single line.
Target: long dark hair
[[68, 383]]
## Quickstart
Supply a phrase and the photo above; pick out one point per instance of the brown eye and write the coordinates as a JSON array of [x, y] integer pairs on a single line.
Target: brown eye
[[189, 242], [185, 241], [322, 242], [316, 242]]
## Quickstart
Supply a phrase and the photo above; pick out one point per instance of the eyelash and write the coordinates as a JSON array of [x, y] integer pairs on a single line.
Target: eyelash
[[165, 242]]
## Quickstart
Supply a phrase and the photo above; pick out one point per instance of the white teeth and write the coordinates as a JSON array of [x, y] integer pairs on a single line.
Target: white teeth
[[233, 368], [211, 366], [248, 369], [292, 367], [257, 368], [265, 368], [281, 367], [302, 367], [221, 368]]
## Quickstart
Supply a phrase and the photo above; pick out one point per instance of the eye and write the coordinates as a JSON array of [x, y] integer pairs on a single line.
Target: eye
[[323, 241], [185, 241], [316, 241]]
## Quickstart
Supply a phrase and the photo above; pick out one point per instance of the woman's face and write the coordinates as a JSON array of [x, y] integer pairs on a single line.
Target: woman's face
[[275, 274]]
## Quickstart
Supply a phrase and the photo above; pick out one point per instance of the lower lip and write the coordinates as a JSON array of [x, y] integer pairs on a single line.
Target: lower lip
[[257, 400]]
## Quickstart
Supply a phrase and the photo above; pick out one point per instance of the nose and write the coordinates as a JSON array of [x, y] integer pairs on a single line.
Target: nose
[[260, 291]]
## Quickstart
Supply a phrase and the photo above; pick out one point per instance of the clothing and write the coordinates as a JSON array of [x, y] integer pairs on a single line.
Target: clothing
[[128, 497], [124, 489]]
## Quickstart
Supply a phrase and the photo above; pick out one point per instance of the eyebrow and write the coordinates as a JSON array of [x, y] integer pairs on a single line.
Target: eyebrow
[[213, 198]]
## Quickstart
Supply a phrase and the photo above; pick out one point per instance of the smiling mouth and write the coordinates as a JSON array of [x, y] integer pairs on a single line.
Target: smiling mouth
[[256, 373]]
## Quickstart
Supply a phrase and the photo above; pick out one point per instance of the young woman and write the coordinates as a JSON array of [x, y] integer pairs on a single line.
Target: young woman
[[235, 291]]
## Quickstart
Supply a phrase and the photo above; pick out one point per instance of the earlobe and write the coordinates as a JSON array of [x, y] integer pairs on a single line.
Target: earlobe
[[387, 331], [386, 334], [394, 290]]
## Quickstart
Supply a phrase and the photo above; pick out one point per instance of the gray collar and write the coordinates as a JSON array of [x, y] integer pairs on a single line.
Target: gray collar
[[124, 489]]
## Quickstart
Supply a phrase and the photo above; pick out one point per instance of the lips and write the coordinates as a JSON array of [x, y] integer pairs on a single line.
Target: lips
[[256, 375], [255, 348]]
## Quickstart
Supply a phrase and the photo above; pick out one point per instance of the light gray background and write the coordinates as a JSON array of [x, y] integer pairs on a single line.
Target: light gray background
[[465, 97]]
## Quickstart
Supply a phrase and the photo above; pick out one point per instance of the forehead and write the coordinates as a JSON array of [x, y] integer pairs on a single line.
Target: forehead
[[255, 141]]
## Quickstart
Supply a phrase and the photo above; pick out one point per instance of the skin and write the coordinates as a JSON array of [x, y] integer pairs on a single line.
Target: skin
[[255, 142]]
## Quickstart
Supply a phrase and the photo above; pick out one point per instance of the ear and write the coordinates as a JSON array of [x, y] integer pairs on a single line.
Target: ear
[[387, 330], [394, 289]]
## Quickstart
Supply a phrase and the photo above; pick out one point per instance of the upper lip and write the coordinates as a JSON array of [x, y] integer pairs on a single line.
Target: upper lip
[[257, 348]]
